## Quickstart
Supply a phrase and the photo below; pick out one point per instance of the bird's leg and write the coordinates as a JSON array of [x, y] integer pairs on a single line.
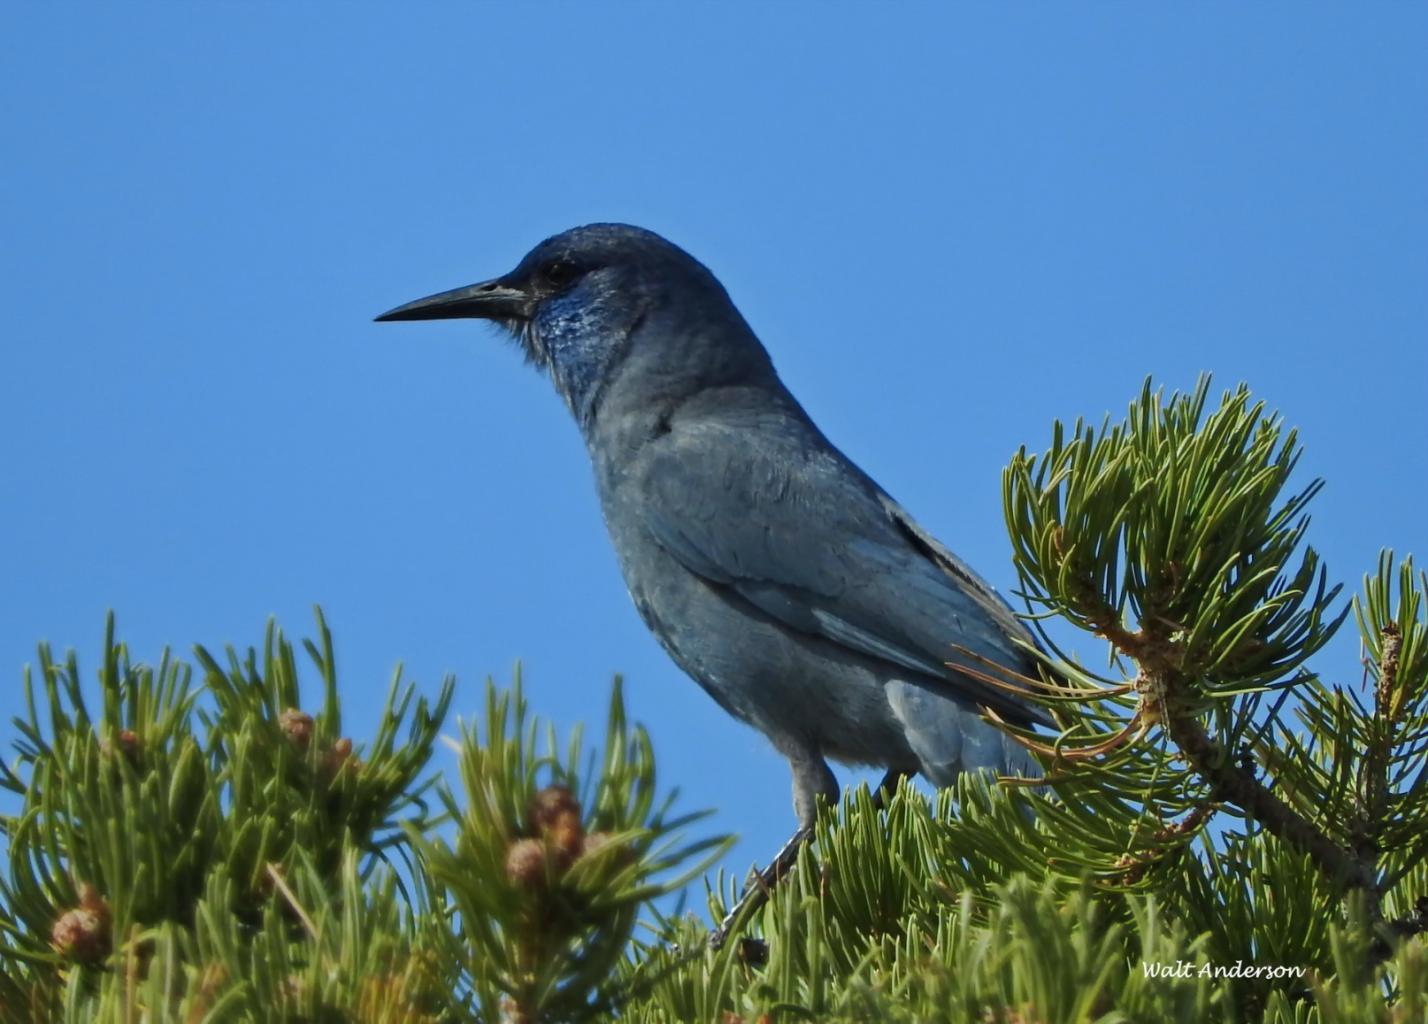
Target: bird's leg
[[761, 884], [887, 789], [811, 779]]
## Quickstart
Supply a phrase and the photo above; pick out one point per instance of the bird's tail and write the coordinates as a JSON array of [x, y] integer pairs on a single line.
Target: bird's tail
[[950, 736]]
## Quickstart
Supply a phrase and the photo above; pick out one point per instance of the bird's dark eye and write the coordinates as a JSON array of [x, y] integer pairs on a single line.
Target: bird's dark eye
[[559, 273]]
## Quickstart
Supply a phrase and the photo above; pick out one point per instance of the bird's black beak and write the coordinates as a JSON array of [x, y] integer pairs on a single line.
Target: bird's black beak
[[490, 300]]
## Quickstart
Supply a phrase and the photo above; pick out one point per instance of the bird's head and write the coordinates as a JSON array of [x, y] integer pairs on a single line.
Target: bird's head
[[606, 302]]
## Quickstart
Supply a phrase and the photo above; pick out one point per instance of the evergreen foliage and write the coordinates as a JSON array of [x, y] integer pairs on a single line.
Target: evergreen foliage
[[1221, 835]]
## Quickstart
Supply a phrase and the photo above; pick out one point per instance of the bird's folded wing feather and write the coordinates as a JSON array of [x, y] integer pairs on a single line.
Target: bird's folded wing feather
[[805, 537]]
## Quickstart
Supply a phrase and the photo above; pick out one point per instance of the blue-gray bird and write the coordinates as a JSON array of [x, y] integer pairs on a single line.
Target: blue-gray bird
[[776, 573]]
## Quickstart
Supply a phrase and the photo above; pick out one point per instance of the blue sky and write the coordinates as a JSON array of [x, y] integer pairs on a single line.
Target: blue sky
[[950, 224]]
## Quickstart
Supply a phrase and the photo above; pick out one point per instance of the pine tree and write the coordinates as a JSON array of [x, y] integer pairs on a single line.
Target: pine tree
[[1221, 835]]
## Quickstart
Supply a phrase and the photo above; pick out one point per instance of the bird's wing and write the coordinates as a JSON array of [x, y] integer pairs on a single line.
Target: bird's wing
[[807, 538]]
